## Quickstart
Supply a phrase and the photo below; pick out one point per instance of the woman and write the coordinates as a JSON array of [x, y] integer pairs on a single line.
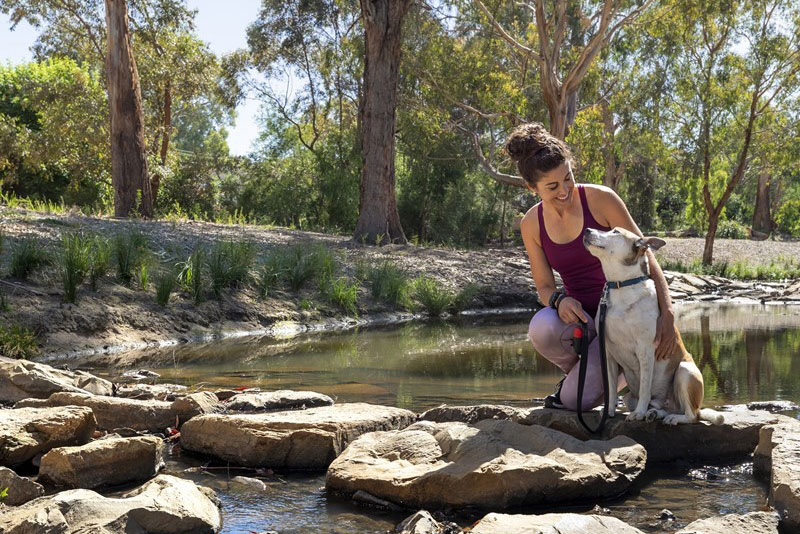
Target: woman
[[552, 231]]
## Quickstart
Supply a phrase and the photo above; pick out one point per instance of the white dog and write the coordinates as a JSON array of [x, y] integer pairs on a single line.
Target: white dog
[[671, 388]]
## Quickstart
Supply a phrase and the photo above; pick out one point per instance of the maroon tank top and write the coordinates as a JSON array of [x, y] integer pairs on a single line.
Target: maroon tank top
[[581, 272]]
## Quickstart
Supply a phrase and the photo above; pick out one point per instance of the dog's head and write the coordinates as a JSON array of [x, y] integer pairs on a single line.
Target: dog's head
[[621, 252]]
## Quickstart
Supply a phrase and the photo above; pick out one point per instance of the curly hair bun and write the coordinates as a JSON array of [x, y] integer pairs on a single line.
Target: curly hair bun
[[528, 139]]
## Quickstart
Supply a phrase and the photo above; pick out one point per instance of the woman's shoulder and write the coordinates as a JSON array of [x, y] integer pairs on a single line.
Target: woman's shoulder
[[597, 191], [604, 203], [530, 222]]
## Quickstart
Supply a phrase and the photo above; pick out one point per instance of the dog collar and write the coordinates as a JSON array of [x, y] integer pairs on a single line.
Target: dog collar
[[626, 283]]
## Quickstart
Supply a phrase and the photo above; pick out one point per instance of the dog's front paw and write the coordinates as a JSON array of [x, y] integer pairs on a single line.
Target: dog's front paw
[[652, 415], [611, 413], [636, 415], [672, 419]]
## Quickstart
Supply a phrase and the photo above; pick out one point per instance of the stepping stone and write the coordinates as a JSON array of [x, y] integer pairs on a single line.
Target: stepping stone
[[106, 462], [552, 524], [752, 523], [26, 432], [276, 400], [777, 459], [20, 489], [22, 379], [164, 505], [702, 442], [494, 464], [164, 392], [299, 439], [116, 412], [194, 404]]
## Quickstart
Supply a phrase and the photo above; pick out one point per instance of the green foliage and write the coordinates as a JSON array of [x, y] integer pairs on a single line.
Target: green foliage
[[193, 276], [99, 259], [432, 295], [465, 297], [130, 252], [229, 264], [389, 284], [74, 264], [787, 219], [729, 229], [3, 493], [27, 256], [165, 281], [18, 342], [779, 269], [342, 293], [270, 274]]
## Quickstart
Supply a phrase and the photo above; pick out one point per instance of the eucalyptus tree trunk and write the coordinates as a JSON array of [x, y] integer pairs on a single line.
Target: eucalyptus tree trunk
[[762, 217], [128, 161], [378, 219]]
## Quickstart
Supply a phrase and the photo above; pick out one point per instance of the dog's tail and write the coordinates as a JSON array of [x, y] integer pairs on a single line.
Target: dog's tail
[[712, 416]]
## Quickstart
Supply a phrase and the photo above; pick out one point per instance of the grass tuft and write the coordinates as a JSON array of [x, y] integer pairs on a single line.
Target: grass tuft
[[343, 294], [130, 250], [26, 257], [192, 276], [434, 298], [229, 264], [74, 264], [165, 281], [99, 259], [18, 342], [389, 284]]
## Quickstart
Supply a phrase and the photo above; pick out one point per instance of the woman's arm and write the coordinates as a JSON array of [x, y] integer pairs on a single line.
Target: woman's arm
[[569, 310], [614, 211]]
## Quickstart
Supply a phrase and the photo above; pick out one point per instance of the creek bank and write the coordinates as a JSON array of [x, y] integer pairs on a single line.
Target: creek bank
[[118, 318]]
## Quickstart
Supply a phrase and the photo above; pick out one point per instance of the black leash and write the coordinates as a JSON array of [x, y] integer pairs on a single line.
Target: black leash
[[583, 352]]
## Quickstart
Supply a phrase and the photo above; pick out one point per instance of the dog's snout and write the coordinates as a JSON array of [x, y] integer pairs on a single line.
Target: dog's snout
[[587, 232]]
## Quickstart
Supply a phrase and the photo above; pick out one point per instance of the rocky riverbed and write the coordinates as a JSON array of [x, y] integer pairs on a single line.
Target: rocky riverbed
[[117, 317], [65, 452]]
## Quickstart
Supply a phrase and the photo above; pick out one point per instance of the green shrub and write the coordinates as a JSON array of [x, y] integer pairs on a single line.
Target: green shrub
[[433, 297], [165, 282], [18, 342], [192, 276], [303, 263], [74, 264], [144, 275], [130, 250], [343, 294], [99, 258], [389, 284], [229, 264], [787, 218], [465, 297], [270, 274], [26, 257], [729, 229]]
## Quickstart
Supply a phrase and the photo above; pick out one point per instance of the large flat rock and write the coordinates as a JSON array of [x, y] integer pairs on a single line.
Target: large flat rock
[[700, 442], [26, 432], [494, 464], [552, 524], [777, 458], [284, 399], [106, 462], [21, 379], [117, 412], [165, 505], [300, 439], [752, 523]]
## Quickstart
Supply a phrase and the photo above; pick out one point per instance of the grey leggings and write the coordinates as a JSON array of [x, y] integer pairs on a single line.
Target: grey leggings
[[551, 338]]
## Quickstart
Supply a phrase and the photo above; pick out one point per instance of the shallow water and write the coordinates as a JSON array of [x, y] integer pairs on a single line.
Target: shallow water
[[745, 353]]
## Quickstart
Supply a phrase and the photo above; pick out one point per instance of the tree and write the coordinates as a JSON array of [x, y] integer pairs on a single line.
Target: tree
[[378, 219], [128, 161]]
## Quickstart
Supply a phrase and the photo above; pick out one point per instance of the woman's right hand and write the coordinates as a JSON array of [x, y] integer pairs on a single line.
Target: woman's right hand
[[571, 311]]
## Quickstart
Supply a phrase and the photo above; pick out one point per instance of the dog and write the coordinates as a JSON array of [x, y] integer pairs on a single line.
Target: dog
[[670, 389]]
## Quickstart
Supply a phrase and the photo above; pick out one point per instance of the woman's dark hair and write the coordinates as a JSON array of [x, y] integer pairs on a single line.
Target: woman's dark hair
[[536, 151]]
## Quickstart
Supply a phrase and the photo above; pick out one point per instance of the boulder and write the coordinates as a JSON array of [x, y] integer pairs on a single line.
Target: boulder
[[552, 524], [777, 459], [115, 412], [106, 462], [163, 392], [423, 522], [494, 464], [20, 489], [165, 505], [26, 432], [194, 404], [752, 523], [22, 379], [700, 442], [300, 439], [284, 399]]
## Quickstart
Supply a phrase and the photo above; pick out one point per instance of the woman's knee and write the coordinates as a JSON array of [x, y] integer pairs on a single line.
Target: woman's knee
[[545, 328]]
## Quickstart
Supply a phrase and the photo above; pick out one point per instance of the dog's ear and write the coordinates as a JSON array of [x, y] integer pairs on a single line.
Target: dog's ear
[[649, 242]]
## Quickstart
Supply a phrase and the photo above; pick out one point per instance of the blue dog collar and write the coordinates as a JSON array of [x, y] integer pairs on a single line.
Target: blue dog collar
[[626, 283]]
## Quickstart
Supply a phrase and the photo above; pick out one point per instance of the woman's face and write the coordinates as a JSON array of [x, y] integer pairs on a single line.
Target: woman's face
[[557, 185]]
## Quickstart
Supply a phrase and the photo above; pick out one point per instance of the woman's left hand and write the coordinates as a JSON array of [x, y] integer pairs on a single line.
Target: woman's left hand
[[666, 338]]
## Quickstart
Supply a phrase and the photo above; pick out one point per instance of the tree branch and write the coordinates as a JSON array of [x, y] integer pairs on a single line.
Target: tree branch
[[505, 35]]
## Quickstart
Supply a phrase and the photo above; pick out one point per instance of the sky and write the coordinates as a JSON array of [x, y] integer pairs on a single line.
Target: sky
[[221, 24]]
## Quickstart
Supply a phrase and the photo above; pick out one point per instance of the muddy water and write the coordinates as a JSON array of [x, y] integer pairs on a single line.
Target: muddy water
[[745, 353]]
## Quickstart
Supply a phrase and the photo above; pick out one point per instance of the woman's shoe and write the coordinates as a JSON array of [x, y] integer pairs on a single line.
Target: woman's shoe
[[554, 399]]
